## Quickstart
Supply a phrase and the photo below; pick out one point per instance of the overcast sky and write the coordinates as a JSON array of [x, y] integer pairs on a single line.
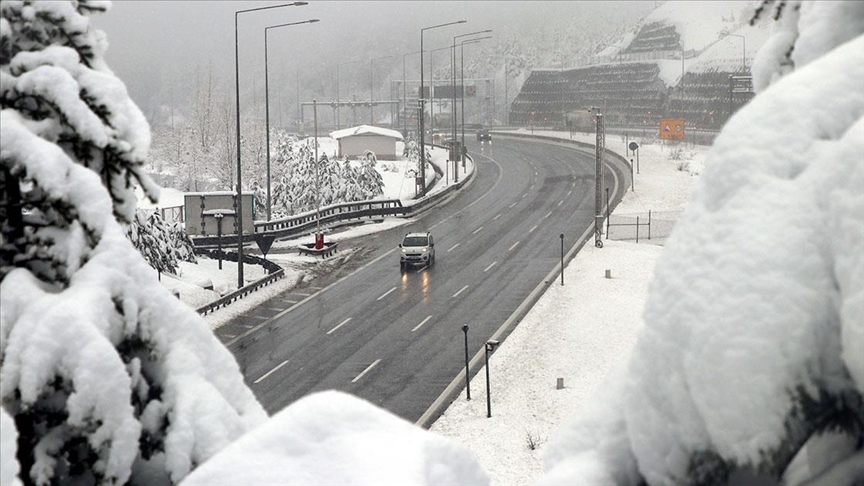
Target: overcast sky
[[154, 42]]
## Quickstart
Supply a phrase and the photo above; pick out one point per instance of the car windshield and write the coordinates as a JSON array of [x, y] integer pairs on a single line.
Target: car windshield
[[415, 241]]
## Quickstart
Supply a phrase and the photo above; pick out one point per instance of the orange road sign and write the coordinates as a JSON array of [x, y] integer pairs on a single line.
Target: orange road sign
[[672, 129]]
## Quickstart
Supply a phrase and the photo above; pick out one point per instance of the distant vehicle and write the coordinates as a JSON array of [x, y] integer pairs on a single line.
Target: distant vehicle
[[483, 134], [416, 249]]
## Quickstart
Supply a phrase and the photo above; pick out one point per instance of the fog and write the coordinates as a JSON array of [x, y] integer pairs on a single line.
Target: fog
[[156, 47]]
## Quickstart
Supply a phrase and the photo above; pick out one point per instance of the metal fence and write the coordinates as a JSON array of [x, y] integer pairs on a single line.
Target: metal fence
[[649, 227]]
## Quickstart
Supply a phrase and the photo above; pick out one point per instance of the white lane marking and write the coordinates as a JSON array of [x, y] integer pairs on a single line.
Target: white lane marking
[[366, 370], [229, 336], [532, 229], [422, 269], [547, 215], [496, 217], [560, 202], [460, 291], [289, 301], [523, 195], [535, 172], [301, 293], [490, 266], [476, 231], [572, 184], [532, 186], [453, 247], [511, 206], [271, 371], [263, 318], [338, 326], [514, 246], [570, 192], [385, 294], [424, 322]]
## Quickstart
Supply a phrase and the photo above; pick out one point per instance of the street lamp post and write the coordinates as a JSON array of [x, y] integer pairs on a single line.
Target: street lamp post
[[319, 239], [453, 73], [432, 90], [453, 83], [462, 83], [371, 89], [239, 218], [467, 375], [267, 101], [490, 346], [422, 135]]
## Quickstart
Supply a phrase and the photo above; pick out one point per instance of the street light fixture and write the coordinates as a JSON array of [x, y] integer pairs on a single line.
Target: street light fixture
[[267, 100], [371, 89], [462, 82], [239, 218], [422, 135], [490, 346]]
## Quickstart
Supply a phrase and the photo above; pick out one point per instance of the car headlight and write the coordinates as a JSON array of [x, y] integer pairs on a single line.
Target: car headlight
[[404, 252], [424, 250]]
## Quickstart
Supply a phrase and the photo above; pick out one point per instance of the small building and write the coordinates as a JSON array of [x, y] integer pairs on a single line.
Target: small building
[[355, 141]]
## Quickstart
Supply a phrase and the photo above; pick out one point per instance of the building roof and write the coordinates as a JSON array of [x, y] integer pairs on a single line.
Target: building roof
[[365, 130]]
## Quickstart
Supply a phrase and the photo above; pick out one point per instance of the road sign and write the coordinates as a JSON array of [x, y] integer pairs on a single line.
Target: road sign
[[264, 241], [633, 146], [672, 129]]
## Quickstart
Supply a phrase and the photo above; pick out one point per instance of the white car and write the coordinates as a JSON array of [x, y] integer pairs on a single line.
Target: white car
[[416, 249]]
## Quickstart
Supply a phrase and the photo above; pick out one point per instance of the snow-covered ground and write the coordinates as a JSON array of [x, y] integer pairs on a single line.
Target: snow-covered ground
[[580, 332]]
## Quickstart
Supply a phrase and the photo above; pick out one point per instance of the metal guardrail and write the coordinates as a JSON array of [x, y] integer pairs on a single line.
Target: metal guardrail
[[587, 146], [301, 224], [275, 272]]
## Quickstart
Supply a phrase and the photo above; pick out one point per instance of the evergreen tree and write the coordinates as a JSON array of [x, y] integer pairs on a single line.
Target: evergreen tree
[[105, 373], [351, 187], [302, 184], [370, 178], [330, 180], [164, 245]]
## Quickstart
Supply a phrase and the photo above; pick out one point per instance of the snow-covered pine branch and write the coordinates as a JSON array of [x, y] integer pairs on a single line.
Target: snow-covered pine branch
[[107, 377]]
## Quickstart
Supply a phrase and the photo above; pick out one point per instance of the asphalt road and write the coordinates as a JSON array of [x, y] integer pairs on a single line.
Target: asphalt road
[[394, 338]]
